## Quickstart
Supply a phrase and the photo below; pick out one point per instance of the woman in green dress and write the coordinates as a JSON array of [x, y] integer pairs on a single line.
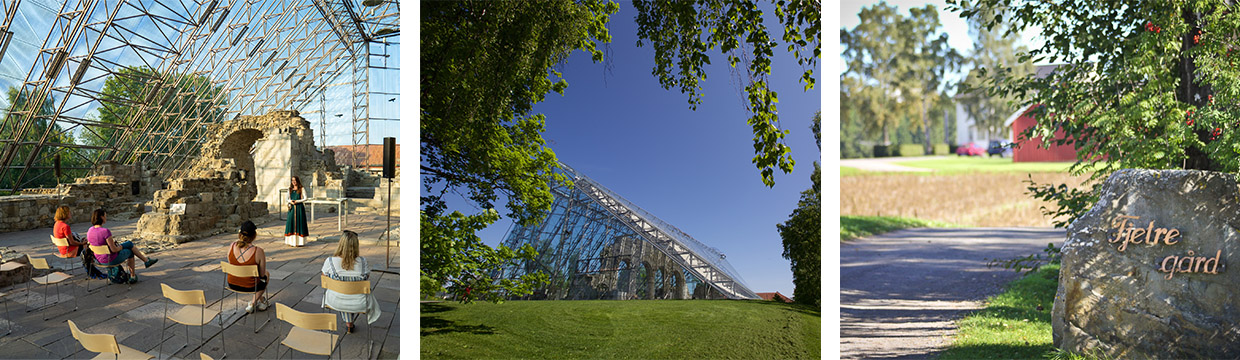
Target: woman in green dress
[[295, 231]]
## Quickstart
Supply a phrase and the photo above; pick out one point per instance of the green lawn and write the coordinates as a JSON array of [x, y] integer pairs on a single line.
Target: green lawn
[[638, 329], [852, 227], [965, 164], [852, 171], [1011, 326]]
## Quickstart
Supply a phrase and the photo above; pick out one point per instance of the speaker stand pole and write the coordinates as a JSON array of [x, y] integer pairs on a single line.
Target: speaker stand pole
[[389, 224]]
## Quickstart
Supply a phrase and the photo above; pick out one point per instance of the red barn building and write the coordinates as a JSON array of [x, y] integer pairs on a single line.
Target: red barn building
[[1030, 150]]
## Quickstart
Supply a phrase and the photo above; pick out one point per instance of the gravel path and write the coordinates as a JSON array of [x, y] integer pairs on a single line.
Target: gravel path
[[887, 163], [901, 292]]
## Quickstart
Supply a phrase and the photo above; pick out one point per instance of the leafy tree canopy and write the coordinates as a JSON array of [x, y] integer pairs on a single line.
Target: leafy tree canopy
[[995, 53], [1143, 84], [802, 237], [682, 32], [896, 66], [31, 134], [484, 66], [187, 99]]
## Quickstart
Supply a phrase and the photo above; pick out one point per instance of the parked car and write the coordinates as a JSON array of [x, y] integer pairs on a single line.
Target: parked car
[[970, 149], [999, 147]]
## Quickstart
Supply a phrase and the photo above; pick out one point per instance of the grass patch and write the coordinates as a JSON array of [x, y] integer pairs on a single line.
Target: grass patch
[[965, 164], [852, 227], [1011, 326], [852, 171], [647, 329]]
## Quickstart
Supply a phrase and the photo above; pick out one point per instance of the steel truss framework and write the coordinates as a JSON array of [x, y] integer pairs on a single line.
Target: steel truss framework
[[255, 56], [589, 224]]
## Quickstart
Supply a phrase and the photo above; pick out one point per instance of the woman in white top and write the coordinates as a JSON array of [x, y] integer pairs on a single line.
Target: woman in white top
[[346, 265]]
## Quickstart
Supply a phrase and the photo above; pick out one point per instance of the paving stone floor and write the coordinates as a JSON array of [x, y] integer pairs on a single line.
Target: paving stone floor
[[134, 315]]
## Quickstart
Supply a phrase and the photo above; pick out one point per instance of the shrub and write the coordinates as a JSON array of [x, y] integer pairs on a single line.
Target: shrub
[[882, 151], [911, 150], [942, 149]]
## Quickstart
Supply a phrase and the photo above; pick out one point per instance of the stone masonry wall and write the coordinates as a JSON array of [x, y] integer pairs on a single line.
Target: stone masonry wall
[[110, 189]]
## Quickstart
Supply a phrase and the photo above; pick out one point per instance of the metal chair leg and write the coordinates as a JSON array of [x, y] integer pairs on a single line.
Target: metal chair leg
[[223, 344], [28, 291], [8, 316], [45, 299]]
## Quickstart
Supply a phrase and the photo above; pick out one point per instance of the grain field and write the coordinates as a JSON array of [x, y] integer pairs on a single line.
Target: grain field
[[974, 200]]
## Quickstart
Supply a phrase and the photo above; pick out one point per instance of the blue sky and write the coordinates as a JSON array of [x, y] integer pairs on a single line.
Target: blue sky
[[690, 168]]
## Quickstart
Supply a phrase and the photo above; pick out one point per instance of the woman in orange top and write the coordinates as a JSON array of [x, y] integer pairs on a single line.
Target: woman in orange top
[[244, 252], [61, 231]]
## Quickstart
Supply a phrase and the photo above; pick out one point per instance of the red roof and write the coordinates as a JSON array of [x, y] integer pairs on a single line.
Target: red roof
[[773, 295], [367, 155]]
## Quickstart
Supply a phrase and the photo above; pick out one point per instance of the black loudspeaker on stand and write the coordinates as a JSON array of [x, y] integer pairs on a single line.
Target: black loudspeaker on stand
[[389, 157], [389, 172]]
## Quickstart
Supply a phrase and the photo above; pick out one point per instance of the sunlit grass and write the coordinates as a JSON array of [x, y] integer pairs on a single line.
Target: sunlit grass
[[1015, 324], [852, 171], [964, 164], [636, 329], [852, 227]]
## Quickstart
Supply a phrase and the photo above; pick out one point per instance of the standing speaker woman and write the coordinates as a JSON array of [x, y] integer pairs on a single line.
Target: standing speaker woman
[[295, 230]]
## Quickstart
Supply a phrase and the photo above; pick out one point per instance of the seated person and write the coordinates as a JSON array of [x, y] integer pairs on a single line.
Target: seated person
[[244, 252], [123, 252], [61, 231], [346, 265]]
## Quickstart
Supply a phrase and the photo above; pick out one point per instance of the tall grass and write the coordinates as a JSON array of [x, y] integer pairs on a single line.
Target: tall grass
[[982, 199]]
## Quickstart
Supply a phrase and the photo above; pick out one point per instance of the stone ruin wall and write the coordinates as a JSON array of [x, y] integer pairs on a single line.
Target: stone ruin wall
[[111, 188], [228, 185], [377, 203]]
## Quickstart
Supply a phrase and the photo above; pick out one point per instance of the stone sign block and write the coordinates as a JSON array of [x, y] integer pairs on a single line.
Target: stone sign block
[[1146, 272]]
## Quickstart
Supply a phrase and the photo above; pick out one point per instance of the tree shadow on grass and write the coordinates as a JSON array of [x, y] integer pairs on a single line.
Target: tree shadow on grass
[[435, 326], [432, 325], [800, 308], [429, 308]]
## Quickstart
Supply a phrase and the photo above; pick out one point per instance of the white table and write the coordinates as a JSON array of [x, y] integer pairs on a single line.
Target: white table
[[341, 209]]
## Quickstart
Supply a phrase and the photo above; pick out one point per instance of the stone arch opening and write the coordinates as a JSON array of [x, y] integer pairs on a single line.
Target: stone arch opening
[[624, 280], [646, 276], [239, 146], [660, 281], [678, 285]]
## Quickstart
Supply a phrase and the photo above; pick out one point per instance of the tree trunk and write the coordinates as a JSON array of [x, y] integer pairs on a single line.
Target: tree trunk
[[1192, 93], [925, 125]]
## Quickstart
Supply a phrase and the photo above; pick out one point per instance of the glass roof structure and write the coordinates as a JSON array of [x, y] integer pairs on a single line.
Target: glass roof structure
[[137, 81], [594, 244]]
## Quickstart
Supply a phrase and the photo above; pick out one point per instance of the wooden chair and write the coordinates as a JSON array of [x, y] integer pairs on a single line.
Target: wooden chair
[[105, 344], [194, 313], [239, 271], [349, 288], [67, 258], [303, 335], [45, 280], [104, 249]]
